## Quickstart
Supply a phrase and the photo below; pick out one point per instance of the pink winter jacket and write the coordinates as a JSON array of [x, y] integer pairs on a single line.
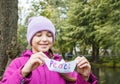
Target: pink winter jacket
[[41, 75]]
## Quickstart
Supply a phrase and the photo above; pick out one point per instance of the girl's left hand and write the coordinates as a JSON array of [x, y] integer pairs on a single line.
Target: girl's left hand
[[83, 67]]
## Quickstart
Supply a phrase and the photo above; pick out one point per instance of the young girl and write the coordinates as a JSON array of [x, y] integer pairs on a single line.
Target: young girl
[[30, 67]]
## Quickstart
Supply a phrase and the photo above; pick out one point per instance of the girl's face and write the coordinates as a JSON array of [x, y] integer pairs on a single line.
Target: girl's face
[[42, 41]]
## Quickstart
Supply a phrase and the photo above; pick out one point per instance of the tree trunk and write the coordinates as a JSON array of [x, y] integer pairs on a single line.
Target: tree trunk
[[8, 31], [95, 52]]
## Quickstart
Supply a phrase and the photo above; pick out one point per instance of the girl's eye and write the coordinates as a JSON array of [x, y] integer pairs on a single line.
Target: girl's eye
[[49, 34], [38, 35]]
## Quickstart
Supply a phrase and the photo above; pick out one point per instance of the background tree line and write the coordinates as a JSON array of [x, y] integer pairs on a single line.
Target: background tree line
[[87, 24]]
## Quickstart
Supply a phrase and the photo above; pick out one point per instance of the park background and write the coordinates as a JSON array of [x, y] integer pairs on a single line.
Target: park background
[[83, 27]]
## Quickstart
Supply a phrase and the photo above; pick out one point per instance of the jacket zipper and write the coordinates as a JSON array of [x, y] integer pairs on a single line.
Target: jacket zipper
[[22, 81], [44, 73]]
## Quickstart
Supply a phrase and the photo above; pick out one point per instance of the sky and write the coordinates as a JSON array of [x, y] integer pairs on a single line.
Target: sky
[[25, 5]]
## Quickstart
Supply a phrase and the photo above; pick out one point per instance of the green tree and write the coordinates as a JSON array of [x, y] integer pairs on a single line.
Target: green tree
[[92, 23]]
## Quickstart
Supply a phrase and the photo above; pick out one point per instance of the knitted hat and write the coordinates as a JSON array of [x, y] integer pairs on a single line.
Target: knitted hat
[[36, 24]]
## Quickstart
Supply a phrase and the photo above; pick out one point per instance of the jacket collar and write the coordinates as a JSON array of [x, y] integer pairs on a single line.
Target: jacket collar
[[28, 53]]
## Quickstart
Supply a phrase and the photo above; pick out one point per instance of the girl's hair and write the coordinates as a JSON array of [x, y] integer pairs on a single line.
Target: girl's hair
[[64, 75]]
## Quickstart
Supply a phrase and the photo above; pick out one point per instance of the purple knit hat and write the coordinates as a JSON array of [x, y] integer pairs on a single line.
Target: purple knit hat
[[39, 23]]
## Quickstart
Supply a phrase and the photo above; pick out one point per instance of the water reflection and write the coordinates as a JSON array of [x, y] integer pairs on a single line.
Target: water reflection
[[107, 75]]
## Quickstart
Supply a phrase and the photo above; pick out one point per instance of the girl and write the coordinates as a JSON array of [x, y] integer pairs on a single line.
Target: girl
[[30, 67]]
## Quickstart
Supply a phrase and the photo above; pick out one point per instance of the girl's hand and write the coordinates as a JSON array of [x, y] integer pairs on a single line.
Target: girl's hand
[[83, 67], [35, 60]]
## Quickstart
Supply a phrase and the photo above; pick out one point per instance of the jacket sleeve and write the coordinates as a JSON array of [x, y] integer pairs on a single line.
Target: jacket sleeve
[[80, 80], [92, 80], [13, 75]]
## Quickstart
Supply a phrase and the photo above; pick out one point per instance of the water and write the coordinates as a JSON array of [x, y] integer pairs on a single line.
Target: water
[[107, 75]]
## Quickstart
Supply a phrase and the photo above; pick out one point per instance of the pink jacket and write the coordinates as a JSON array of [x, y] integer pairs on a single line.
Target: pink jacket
[[41, 75]]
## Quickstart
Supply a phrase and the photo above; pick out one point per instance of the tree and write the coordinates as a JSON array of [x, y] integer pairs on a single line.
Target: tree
[[92, 23], [8, 31]]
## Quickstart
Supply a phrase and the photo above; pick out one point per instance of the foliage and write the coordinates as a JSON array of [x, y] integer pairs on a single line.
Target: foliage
[[82, 23], [21, 38], [112, 61], [94, 22]]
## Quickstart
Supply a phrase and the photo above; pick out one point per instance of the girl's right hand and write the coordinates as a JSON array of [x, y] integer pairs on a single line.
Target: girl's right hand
[[35, 60]]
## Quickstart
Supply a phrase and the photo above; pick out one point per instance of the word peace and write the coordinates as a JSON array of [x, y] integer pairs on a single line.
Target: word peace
[[60, 66]]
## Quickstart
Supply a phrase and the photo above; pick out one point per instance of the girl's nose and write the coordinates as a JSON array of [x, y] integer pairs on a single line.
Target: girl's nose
[[44, 38]]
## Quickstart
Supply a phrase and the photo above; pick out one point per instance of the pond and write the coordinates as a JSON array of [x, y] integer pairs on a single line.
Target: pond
[[107, 75]]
